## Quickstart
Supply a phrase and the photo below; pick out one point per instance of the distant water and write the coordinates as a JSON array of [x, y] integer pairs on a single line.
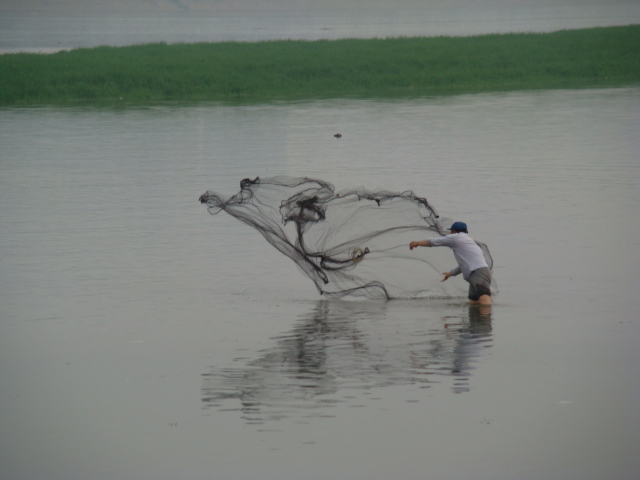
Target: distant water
[[48, 32]]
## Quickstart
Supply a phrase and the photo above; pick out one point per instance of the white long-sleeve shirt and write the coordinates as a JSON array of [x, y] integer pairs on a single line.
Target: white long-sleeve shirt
[[467, 252]]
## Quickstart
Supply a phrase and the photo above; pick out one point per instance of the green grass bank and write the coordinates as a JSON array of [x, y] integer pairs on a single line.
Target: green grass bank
[[291, 69]]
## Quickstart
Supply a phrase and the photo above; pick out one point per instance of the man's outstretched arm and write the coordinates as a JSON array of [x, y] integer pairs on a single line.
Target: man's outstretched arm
[[421, 243]]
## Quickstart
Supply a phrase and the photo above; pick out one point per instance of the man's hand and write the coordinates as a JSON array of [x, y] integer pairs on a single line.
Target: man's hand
[[421, 243], [446, 275]]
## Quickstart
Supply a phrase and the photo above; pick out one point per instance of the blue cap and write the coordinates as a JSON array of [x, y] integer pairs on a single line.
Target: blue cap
[[459, 227]]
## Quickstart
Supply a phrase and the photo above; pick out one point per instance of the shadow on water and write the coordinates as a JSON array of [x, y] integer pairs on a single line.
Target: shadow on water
[[345, 352]]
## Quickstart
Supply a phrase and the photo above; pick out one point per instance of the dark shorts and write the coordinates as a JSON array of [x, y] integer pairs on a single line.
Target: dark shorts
[[479, 283]]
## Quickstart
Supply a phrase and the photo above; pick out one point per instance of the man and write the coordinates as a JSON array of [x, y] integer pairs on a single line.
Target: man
[[471, 261]]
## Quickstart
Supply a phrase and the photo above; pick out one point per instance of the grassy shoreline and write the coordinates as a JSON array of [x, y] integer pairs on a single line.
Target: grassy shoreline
[[292, 69]]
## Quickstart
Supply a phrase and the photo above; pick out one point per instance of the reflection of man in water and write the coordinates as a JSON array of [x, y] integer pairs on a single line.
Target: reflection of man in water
[[340, 351], [471, 342], [471, 261]]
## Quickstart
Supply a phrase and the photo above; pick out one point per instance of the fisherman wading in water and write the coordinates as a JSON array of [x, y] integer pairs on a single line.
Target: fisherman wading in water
[[471, 261]]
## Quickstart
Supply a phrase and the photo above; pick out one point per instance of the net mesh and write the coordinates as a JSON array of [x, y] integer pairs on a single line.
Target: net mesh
[[349, 243]]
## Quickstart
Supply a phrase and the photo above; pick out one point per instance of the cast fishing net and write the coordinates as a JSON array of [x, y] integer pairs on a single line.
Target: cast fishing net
[[354, 242]]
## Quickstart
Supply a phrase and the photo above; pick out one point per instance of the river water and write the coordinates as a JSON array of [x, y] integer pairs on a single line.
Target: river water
[[35, 26], [142, 338]]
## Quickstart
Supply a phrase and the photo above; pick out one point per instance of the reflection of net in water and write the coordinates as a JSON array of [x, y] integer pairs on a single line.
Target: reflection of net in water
[[353, 242], [344, 354]]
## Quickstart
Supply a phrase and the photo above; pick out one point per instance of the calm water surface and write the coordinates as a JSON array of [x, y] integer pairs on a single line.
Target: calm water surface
[[142, 338], [41, 30]]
